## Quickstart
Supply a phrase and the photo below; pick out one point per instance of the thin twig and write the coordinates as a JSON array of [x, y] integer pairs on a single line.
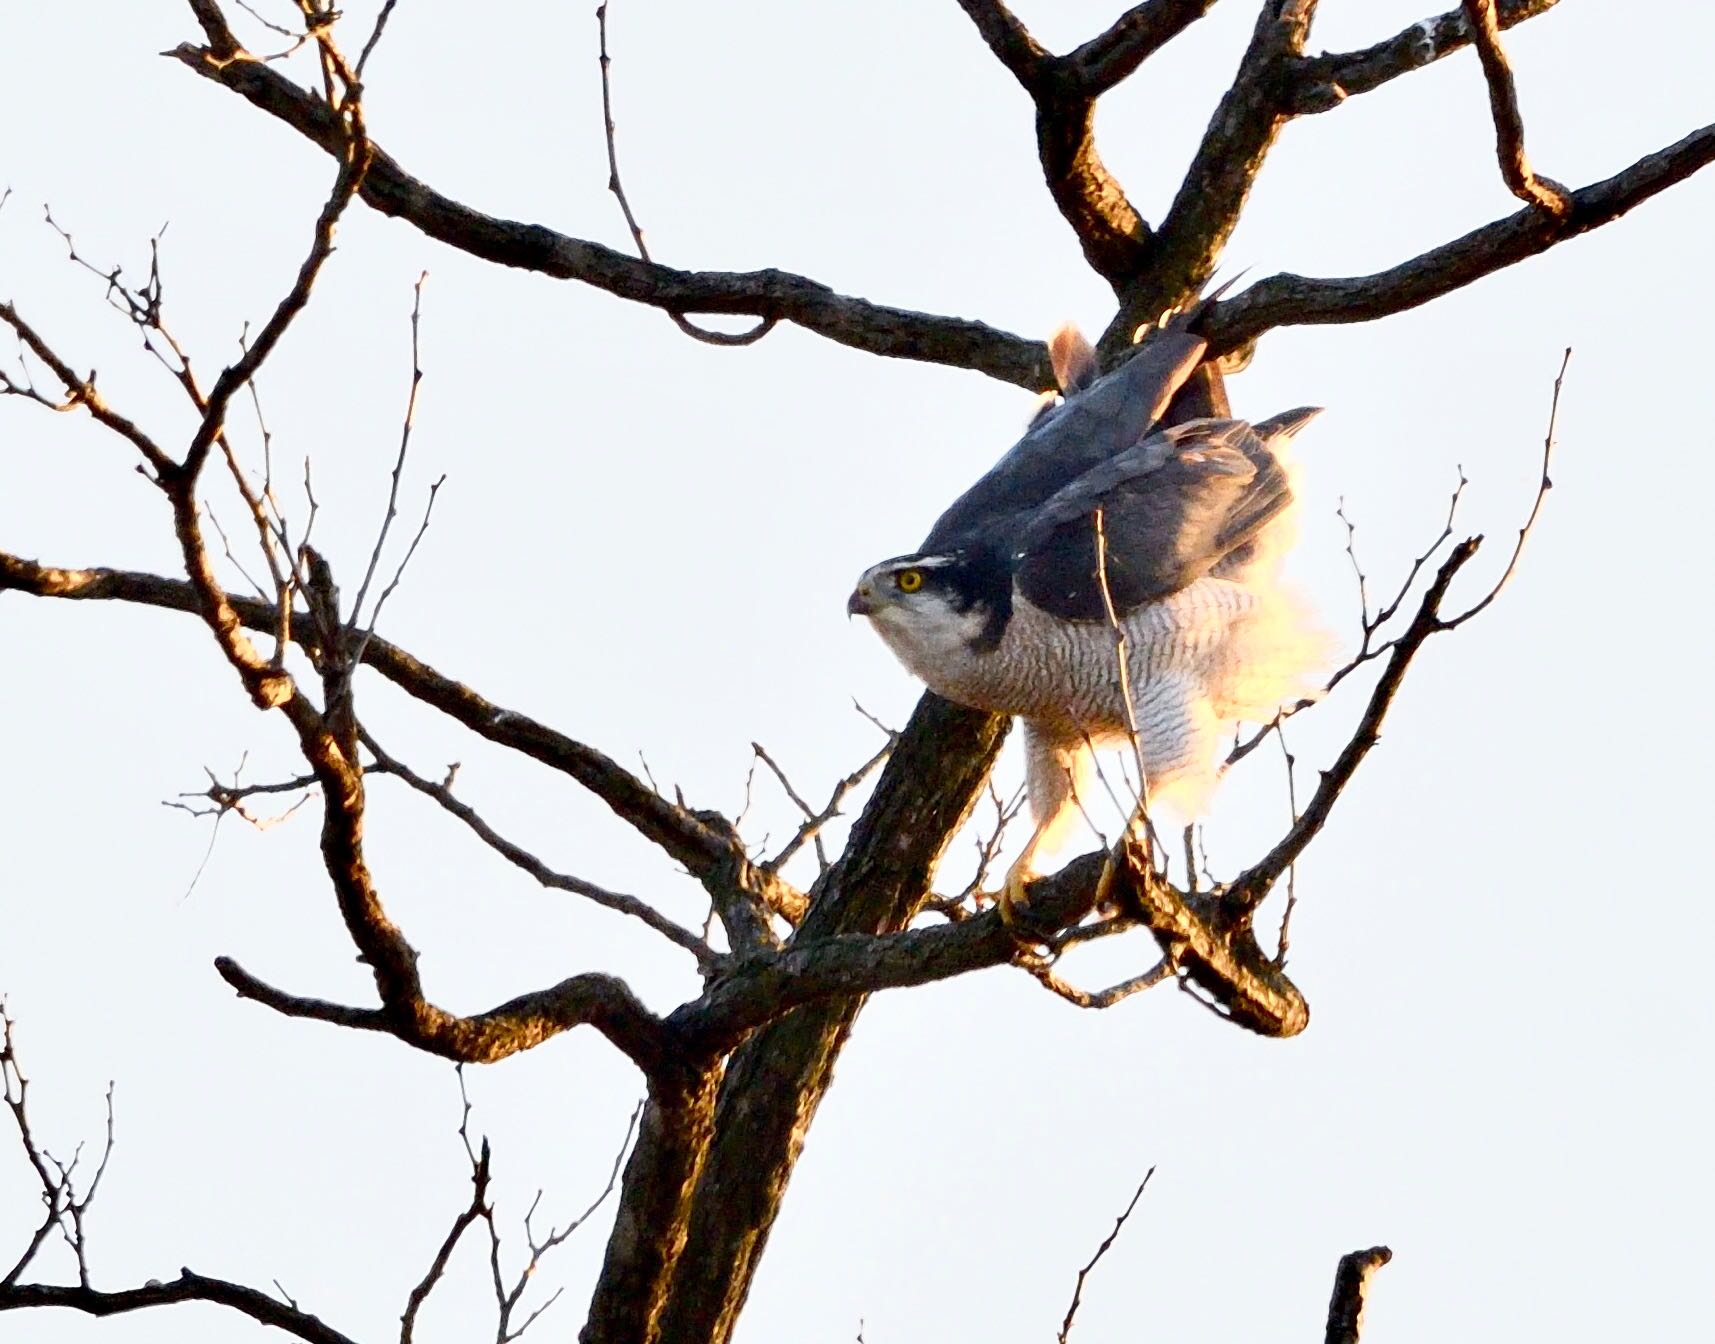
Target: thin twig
[[410, 420], [691, 329], [811, 828], [375, 35], [1544, 485], [1078, 1289], [1123, 663], [520, 857], [1284, 940]]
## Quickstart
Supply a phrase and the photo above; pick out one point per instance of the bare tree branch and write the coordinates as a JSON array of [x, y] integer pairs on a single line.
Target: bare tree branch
[[1113, 235], [1248, 891], [79, 392], [714, 857], [811, 828], [1107, 1243], [1545, 194], [66, 1210], [592, 999], [682, 322], [1009, 40], [1206, 208], [1324, 82], [1295, 300], [1351, 1284], [858, 323], [1249, 122], [1113, 56], [775, 1080], [188, 1287], [517, 855]]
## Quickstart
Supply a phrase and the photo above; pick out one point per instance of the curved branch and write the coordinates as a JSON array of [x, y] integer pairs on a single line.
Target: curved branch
[[604, 1002], [1294, 300], [1323, 82], [874, 328], [1521, 180], [188, 1287]]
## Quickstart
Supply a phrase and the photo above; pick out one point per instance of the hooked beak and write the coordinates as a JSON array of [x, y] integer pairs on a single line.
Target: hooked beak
[[861, 602]]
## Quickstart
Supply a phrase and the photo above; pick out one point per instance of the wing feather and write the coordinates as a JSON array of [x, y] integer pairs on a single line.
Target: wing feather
[[1173, 507], [1109, 416]]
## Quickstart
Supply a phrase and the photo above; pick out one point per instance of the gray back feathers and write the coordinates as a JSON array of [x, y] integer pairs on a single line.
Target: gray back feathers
[[1108, 417], [1173, 508]]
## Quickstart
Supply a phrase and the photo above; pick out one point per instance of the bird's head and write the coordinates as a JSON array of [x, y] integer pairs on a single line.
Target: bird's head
[[927, 607]]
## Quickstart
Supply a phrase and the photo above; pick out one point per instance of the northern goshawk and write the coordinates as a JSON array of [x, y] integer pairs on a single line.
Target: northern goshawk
[[1001, 608]]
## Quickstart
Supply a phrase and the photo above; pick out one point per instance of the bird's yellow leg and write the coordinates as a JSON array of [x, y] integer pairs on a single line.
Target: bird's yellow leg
[[1011, 894], [1020, 875]]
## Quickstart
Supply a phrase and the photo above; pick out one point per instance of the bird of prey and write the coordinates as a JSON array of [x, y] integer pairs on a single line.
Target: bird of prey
[[1002, 608]]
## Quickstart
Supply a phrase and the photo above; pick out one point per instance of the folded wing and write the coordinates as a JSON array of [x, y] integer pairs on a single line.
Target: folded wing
[[1174, 508]]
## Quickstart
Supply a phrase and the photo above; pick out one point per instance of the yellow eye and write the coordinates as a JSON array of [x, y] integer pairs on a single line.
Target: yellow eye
[[910, 580]]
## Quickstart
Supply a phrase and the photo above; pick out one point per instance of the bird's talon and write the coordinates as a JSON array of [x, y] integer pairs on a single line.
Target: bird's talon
[[1013, 906]]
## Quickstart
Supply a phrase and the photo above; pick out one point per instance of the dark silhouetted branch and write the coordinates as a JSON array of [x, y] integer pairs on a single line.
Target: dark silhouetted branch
[[614, 185], [1113, 236], [1205, 210], [858, 323], [66, 1209], [1324, 82], [520, 857], [711, 855], [1112, 57], [1107, 1244], [600, 1001], [1351, 1285], [774, 1082], [1248, 891], [188, 1287], [1296, 300]]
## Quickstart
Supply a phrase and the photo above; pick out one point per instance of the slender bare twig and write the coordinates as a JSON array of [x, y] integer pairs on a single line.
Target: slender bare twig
[[811, 827], [375, 35], [520, 857], [479, 1207], [989, 845], [508, 1299], [404, 563], [1107, 1242], [690, 328], [1544, 485], [1284, 939], [1122, 662], [1371, 622], [408, 423]]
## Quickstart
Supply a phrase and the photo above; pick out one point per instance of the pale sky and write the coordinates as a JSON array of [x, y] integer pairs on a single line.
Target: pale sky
[[647, 543]]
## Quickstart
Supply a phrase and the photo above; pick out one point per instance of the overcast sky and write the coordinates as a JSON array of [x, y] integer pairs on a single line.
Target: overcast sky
[[648, 543]]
